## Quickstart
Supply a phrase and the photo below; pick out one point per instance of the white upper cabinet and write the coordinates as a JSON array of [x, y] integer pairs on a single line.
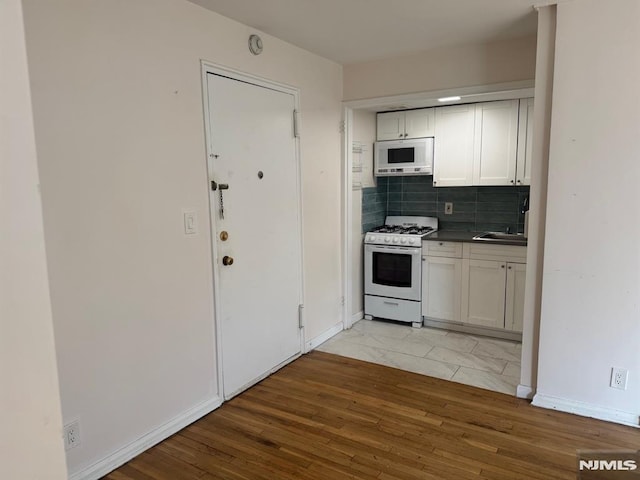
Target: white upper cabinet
[[419, 123], [525, 142], [495, 143], [407, 124], [390, 126], [485, 143], [454, 144]]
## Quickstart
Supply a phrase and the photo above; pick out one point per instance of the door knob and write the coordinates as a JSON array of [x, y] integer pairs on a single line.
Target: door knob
[[227, 260]]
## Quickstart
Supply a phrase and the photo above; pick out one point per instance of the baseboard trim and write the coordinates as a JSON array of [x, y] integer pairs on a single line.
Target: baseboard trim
[[525, 391], [323, 337], [473, 329], [586, 409], [135, 448], [356, 317]]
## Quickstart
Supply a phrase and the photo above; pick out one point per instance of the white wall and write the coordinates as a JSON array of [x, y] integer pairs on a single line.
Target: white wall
[[119, 126], [443, 68], [364, 131], [538, 199], [31, 426], [591, 282]]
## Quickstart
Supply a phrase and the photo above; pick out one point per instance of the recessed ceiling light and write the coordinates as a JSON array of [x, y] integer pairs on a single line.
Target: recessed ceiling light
[[449, 99]]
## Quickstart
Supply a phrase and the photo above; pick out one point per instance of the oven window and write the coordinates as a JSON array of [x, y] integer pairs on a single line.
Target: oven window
[[401, 155], [392, 269]]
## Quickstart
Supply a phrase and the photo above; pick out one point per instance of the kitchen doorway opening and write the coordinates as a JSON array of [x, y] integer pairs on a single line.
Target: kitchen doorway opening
[[353, 172]]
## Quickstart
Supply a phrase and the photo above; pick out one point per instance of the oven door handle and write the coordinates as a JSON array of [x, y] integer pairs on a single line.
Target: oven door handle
[[384, 249]]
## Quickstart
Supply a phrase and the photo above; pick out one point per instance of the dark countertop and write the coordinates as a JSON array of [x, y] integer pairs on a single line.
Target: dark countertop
[[456, 236]]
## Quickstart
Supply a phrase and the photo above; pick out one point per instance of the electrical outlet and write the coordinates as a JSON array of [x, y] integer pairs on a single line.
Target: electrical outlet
[[72, 435], [619, 378], [448, 208]]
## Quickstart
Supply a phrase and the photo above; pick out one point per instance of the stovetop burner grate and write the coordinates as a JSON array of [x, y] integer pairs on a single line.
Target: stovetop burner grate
[[402, 230]]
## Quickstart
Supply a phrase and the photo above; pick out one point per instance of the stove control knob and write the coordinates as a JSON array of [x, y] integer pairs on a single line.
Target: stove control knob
[[387, 239], [370, 238], [395, 240], [404, 240], [412, 241]]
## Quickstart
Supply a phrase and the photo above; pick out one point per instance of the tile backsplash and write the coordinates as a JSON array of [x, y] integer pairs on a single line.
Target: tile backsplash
[[474, 208], [374, 204]]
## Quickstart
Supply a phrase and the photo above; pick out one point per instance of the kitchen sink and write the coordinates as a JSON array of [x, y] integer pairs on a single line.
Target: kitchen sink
[[502, 238]]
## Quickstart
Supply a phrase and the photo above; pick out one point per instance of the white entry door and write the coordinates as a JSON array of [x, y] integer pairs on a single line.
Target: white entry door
[[256, 227]]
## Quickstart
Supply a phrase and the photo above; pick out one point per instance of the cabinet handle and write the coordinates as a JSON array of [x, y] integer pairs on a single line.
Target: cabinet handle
[[440, 243], [519, 181], [509, 267], [391, 303], [502, 266], [512, 181], [400, 136], [406, 134]]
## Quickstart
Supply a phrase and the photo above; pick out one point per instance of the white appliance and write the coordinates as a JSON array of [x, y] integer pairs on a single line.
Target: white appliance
[[404, 157], [393, 268]]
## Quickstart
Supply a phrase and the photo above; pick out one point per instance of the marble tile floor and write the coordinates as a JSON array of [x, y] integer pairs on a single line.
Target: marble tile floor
[[488, 363]]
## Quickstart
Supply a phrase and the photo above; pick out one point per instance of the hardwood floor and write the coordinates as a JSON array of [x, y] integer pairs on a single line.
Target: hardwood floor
[[330, 417]]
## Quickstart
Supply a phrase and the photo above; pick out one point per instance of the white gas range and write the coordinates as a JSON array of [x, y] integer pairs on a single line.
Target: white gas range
[[393, 268]]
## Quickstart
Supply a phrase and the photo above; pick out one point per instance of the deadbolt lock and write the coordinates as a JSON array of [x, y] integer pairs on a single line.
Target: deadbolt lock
[[224, 236]]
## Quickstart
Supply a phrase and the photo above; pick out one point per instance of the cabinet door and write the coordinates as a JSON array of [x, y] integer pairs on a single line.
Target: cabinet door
[[453, 150], [514, 303], [525, 142], [483, 292], [441, 285], [496, 143], [390, 126], [419, 123]]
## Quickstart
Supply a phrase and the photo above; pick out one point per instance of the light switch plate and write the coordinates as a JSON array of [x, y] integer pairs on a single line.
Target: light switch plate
[[190, 222]]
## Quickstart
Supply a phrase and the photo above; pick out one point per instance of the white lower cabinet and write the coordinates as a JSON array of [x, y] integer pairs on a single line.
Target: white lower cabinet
[[478, 285], [483, 294], [441, 282], [514, 301]]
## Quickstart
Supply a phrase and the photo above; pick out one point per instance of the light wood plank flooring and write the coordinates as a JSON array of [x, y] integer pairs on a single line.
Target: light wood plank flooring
[[330, 417]]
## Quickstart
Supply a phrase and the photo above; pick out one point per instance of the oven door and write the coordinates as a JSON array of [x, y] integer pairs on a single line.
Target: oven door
[[392, 271]]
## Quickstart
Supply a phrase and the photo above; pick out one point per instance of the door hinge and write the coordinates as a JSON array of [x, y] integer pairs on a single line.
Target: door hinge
[[300, 321], [342, 127], [296, 121]]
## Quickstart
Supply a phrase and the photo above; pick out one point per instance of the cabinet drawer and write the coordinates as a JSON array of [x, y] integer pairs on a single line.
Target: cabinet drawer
[[435, 248], [504, 253], [392, 308]]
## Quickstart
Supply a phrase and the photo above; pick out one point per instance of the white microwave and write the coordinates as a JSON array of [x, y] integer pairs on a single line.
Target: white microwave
[[404, 157]]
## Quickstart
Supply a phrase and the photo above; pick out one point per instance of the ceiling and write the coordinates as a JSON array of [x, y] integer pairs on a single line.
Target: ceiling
[[352, 31]]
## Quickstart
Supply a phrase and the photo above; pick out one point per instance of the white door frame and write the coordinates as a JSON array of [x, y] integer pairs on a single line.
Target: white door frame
[[212, 68], [347, 217], [481, 93]]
